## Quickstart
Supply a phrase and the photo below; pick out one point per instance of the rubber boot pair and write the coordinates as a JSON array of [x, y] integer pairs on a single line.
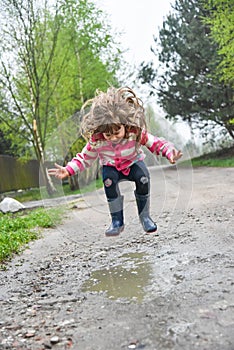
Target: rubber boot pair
[[116, 211]]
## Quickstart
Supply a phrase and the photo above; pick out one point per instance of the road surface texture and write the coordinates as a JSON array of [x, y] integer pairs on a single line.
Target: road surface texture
[[76, 289]]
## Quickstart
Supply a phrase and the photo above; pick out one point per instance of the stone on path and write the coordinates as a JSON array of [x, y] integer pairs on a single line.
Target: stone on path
[[10, 205]]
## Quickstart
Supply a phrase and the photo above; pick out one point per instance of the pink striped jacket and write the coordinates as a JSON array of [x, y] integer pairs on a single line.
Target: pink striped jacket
[[121, 155]]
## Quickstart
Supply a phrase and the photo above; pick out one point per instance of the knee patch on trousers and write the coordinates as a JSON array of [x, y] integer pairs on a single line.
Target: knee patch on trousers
[[144, 180], [108, 182]]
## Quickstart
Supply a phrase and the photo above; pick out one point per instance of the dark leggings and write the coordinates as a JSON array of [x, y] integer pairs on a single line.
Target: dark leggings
[[138, 174]]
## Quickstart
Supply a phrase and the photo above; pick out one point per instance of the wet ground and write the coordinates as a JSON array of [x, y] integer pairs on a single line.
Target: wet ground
[[77, 289]]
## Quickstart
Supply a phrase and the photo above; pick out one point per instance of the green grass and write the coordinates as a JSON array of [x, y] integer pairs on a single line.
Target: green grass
[[220, 158], [20, 228], [228, 162], [27, 196]]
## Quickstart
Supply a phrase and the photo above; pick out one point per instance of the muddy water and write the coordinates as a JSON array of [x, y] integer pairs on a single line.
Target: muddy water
[[128, 280]]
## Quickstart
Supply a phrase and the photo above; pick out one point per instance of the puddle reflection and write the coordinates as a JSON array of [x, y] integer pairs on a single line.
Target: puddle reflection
[[128, 280]]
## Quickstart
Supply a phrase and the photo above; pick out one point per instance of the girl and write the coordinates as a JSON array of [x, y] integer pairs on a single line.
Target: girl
[[116, 129]]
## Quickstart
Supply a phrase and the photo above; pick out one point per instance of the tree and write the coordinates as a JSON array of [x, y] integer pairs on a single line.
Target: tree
[[187, 83], [221, 21], [5, 144], [45, 57]]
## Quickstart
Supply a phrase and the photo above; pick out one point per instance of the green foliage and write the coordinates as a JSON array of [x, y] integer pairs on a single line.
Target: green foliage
[[221, 23], [5, 143], [52, 60], [9, 139], [91, 56], [186, 82], [19, 229], [58, 57]]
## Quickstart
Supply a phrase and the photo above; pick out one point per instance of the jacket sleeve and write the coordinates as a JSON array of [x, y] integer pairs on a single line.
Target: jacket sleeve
[[82, 160], [157, 145]]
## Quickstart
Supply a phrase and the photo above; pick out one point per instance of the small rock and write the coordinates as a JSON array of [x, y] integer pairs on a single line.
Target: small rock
[[54, 339], [10, 205], [47, 345], [30, 333], [66, 322]]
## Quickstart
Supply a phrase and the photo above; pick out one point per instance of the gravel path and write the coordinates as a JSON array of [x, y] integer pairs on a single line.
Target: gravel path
[[76, 289]]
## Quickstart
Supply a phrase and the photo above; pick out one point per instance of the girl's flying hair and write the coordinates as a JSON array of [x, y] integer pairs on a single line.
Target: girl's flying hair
[[114, 107]]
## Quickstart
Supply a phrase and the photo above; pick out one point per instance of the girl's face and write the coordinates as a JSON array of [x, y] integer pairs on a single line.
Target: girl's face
[[116, 136]]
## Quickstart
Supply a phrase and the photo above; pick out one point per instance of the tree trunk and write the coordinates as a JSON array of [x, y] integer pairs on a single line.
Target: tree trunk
[[73, 182], [46, 179]]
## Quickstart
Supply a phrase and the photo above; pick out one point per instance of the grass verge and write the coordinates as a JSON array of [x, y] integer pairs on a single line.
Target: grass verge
[[220, 158], [18, 229], [228, 162]]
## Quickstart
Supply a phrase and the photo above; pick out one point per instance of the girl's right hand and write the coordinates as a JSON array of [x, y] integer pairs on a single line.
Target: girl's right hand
[[59, 171]]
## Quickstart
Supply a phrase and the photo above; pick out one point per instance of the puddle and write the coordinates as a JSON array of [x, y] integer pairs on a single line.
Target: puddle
[[128, 280]]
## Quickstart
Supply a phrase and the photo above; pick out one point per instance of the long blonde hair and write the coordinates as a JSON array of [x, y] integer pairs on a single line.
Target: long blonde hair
[[114, 107]]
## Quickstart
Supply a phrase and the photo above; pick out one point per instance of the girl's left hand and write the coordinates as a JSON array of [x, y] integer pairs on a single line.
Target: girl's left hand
[[175, 156]]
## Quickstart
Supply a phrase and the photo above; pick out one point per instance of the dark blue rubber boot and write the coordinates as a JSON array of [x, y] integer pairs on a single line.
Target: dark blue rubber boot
[[116, 211], [143, 202]]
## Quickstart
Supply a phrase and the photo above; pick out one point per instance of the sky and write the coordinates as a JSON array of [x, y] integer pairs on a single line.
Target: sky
[[139, 21]]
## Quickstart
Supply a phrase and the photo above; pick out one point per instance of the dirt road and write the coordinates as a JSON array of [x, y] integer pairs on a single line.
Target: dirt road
[[77, 289]]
